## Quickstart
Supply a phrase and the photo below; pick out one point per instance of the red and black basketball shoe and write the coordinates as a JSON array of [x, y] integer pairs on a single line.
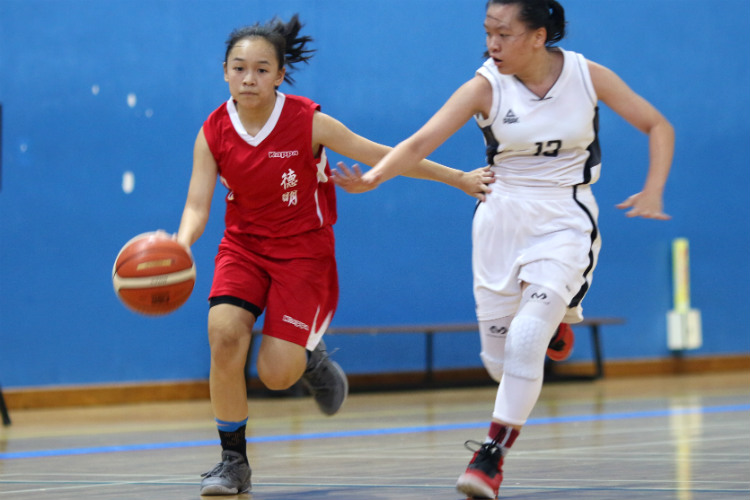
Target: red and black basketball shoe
[[484, 474], [561, 344]]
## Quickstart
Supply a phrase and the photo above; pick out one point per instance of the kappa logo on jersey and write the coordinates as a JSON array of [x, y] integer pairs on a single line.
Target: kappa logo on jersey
[[282, 154], [510, 117]]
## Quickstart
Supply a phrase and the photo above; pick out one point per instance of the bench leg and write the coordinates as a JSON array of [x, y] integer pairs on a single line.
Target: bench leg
[[597, 348], [4, 409]]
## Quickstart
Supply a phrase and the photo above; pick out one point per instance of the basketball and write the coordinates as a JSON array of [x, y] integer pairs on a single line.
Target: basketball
[[153, 274]]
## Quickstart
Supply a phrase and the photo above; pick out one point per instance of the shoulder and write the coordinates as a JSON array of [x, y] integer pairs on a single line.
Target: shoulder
[[217, 116], [215, 122], [604, 80], [302, 102]]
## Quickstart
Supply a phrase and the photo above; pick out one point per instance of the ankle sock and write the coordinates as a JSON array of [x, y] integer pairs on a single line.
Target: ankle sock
[[232, 435], [503, 435]]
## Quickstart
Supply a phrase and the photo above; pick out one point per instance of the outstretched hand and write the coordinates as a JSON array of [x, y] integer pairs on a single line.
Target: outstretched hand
[[477, 182], [648, 206], [352, 180]]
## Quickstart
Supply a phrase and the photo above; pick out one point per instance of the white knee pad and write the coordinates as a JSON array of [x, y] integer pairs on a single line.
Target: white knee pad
[[493, 366], [526, 347], [493, 335]]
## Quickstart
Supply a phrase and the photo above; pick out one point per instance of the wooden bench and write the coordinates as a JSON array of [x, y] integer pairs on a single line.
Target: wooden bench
[[429, 331]]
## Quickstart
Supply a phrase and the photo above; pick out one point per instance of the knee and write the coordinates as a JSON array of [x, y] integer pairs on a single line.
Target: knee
[[280, 363], [275, 378], [228, 345], [493, 366], [526, 347]]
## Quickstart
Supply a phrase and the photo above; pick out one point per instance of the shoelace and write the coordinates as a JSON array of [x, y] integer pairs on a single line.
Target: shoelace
[[219, 469], [314, 375], [486, 451], [216, 471]]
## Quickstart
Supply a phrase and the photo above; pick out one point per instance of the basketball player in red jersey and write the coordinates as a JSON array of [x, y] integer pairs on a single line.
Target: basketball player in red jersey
[[277, 253]]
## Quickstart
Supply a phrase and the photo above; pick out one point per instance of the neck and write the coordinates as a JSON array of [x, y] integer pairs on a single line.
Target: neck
[[542, 72], [254, 117], [541, 68]]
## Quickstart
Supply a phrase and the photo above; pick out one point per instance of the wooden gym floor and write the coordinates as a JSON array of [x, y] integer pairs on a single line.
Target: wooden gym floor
[[679, 437]]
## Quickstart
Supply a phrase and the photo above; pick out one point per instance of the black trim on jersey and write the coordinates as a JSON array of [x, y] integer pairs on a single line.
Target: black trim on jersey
[[491, 142], [594, 149], [594, 235]]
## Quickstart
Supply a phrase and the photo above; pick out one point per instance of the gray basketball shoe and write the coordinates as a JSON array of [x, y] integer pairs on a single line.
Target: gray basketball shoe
[[325, 380], [231, 476]]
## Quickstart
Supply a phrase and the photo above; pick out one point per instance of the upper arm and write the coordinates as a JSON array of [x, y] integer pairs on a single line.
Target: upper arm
[[472, 98], [616, 94], [331, 133], [203, 178]]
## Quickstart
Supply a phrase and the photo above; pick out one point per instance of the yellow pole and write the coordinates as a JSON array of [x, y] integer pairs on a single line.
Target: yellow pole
[[681, 274]]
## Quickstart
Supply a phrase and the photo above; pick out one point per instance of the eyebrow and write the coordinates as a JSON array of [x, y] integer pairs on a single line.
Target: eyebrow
[[241, 59]]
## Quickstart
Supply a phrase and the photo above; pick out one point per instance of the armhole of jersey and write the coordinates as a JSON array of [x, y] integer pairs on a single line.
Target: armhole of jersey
[[583, 66], [487, 74], [209, 136]]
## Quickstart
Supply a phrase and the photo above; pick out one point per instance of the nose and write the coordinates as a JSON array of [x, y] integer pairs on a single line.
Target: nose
[[493, 43], [249, 79]]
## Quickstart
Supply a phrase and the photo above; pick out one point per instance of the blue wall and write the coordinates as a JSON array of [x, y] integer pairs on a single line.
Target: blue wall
[[70, 132]]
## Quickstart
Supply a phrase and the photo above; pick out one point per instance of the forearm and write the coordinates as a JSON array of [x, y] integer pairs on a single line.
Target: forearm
[[661, 151], [430, 170], [192, 225], [407, 159]]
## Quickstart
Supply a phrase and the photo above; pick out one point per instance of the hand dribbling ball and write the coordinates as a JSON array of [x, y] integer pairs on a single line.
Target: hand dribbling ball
[[153, 274]]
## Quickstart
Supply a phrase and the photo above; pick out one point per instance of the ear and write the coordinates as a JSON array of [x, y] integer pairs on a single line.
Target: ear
[[540, 37], [226, 76], [280, 77]]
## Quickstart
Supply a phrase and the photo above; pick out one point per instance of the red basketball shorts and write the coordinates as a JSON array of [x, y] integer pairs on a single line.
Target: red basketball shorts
[[293, 279]]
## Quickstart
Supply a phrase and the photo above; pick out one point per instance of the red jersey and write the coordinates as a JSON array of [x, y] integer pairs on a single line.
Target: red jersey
[[277, 187]]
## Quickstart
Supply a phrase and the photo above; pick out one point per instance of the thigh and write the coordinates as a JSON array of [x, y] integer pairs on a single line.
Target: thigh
[[302, 300], [498, 239], [281, 357], [240, 273]]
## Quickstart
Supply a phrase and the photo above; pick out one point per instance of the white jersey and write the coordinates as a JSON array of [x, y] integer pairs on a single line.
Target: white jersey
[[539, 223], [543, 142]]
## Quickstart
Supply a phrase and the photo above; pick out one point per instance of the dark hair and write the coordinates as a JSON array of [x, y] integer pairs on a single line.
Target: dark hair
[[535, 14], [289, 46]]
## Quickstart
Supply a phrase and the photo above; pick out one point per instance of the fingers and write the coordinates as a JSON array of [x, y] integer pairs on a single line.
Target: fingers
[[643, 207]]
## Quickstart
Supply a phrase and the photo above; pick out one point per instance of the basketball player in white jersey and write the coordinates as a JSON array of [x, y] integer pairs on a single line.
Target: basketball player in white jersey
[[535, 237]]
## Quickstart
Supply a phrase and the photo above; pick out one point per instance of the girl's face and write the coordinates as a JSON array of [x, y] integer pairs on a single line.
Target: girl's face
[[509, 41], [253, 73]]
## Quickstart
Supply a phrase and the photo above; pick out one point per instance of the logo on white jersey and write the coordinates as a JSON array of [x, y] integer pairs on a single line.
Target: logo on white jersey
[[510, 117]]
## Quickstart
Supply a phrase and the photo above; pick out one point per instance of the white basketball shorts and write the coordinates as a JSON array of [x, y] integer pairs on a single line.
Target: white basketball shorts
[[543, 236]]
